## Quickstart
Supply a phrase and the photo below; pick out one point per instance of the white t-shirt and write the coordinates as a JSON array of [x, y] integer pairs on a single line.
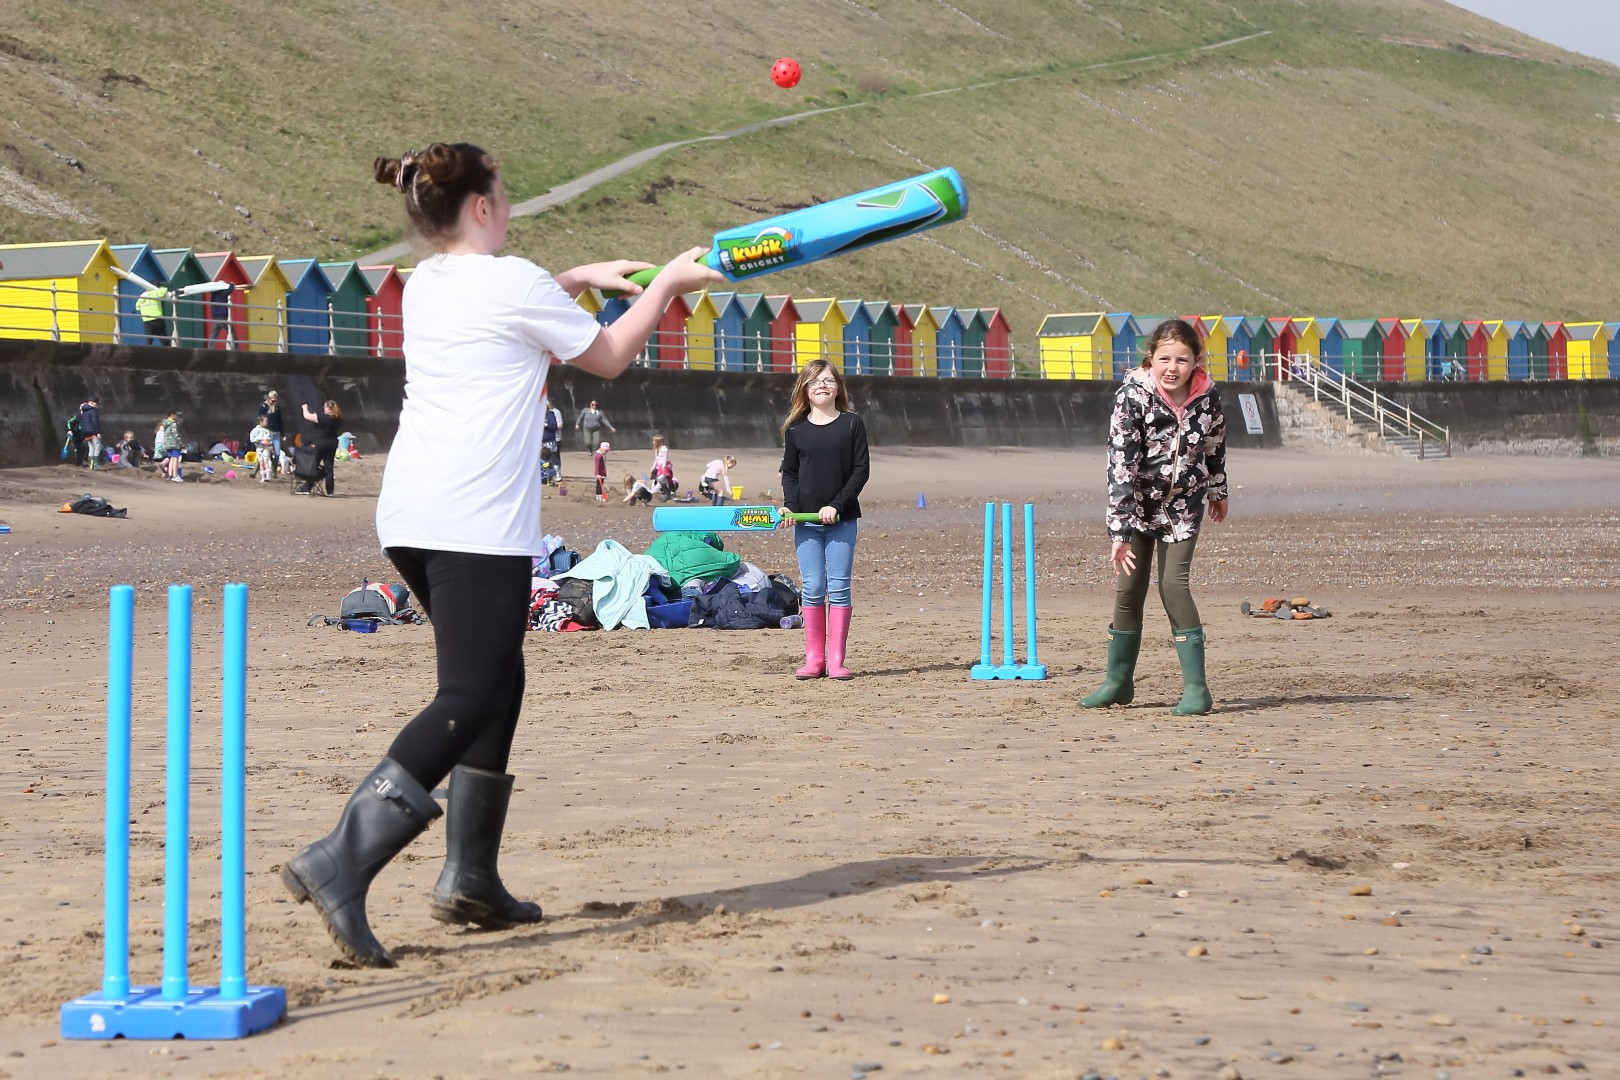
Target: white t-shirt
[[480, 332]]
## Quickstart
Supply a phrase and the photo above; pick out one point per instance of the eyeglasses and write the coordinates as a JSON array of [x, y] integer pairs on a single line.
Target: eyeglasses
[[822, 382]]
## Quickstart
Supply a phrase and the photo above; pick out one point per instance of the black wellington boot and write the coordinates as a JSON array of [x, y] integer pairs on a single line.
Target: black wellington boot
[[469, 889], [386, 812]]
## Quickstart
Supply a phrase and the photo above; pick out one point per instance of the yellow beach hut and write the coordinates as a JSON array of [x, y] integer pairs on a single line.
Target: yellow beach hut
[[1216, 331], [266, 303], [589, 299], [1307, 336], [820, 333], [1417, 350], [1496, 349], [1588, 350], [700, 331], [922, 337], [59, 292], [1076, 345]]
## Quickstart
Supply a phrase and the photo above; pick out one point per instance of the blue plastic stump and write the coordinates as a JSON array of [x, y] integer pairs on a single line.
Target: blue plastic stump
[[1032, 670], [147, 1014], [175, 1009]]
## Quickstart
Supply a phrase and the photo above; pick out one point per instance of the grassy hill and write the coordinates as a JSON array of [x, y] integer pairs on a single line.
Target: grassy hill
[[1264, 156]]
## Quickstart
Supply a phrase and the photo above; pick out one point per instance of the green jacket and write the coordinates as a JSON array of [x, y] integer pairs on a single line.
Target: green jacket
[[686, 556]]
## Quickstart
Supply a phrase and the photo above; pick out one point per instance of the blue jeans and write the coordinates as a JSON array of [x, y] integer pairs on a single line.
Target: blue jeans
[[826, 562]]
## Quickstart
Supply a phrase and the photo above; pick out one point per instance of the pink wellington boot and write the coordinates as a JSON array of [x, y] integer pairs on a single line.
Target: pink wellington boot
[[815, 643], [837, 638]]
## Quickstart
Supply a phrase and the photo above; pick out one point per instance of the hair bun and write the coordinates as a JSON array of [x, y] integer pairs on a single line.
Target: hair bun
[[440, 163]]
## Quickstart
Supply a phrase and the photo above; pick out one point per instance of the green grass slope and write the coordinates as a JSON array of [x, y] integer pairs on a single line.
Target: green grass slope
[[1355, 157]]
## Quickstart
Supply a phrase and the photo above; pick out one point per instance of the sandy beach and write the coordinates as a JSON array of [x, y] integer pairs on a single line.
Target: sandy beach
[[1391, 850]]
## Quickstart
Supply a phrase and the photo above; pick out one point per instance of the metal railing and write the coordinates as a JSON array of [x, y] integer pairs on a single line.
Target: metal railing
[[1362, 403]]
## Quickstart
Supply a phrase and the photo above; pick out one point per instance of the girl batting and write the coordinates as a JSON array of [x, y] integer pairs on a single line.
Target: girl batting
[[824, 468]]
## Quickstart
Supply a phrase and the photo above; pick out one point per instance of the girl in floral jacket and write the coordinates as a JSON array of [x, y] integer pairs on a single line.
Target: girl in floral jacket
[[1166, 458]]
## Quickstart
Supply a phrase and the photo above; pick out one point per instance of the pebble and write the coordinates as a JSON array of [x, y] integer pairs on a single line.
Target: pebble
[[1441, 1021], [1229, 1071], [868, 1066], [1361, 890], [1202, 1040], [1356, 1006], [1111, 1043], [1482, 950], [942, 999], [1198, 950]]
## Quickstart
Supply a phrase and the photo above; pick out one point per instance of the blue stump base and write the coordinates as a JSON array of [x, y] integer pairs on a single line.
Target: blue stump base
[[145, 1015], [1032, 672]]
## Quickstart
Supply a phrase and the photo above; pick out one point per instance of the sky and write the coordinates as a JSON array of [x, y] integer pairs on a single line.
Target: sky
[[1584, 26]]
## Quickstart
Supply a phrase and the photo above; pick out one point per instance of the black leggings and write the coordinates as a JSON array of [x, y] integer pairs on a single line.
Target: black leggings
[[479, 607], [326, 461]]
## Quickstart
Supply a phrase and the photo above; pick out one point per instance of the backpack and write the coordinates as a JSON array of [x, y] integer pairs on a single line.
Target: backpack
[[94, 505], [373, 603]]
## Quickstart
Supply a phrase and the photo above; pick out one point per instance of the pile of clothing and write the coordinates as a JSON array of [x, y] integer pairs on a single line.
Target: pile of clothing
[[683, 579]]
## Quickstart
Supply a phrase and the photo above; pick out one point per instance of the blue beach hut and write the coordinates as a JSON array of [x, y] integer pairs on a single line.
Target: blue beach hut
[[728, 332], [1518, 348], [948, 341], [309, 322], [137, 259], [857, 337], [1125, 331], [1332, 344]]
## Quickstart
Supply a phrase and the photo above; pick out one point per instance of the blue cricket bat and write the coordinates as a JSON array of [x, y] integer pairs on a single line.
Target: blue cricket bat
[[834, 228]]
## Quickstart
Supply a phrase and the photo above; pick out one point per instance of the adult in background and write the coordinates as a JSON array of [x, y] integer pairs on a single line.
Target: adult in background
[[592, 422], [459, 517], [270, 417], [328, 423], [90, 430], [551, 446], [149, 309]]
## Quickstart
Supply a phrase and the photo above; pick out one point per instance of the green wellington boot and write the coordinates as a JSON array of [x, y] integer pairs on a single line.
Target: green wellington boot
[[1195, 699], [1119, 687]]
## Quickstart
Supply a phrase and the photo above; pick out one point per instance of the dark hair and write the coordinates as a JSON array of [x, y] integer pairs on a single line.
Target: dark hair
[[1178, 330], [437, 181], [332, 407]]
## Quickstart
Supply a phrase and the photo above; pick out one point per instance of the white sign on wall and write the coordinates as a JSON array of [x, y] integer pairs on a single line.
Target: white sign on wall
[[1251, 414]]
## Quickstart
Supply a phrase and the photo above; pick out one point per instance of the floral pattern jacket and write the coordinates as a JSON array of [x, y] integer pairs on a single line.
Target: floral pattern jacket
[[1163, 462]]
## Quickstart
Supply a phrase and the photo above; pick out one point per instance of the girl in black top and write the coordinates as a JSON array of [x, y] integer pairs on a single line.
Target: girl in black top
[[824, 467]]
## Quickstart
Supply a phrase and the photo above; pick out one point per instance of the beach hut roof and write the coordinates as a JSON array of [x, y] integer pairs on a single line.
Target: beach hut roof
[[1357, 328], [775, 304], [814, 310], [298, 269], [1583, 331], [1071, 324], [748, 303], [25, 262], [876, 309], [376, 275]]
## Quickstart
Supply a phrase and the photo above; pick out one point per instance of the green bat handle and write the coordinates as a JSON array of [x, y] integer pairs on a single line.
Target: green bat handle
[[794, 515], [640, 277]]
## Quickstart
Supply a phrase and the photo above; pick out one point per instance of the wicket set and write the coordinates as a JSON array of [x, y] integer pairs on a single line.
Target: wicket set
[[176, 1009], [1032, 668]]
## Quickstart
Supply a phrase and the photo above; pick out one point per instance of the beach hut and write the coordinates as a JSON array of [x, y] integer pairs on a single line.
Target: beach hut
[[266, 303], [1519, 334], [590, 300], [667, 346], [351, 308], [729, 345], [1125, 333], [857, 337], [1612, 329], [820, 333], [751, 317], [998, 361], [385, 306], [138, 260], [59, 292], [309, 316], [884, 324], [1496, 348], [1262, 347], [783, 333], [1284, 344], [1391, 351], [225, 313], [1212, 331], [1362, 349], [1549, 351], [1456, 347], [190, 315], [947, 340], [1238, 365], [973, 330], [1330, 342], [1414, 348], [1436, 339], [612, 308], [924, 339], [1076, 345], [700, 314], [1307, 337], [1588, 350]]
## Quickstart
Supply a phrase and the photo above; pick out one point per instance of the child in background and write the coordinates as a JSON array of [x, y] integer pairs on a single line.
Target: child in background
[[1166, 457], [824, 467], [264, 450], [635, 491], [716, 483], [599, 464]]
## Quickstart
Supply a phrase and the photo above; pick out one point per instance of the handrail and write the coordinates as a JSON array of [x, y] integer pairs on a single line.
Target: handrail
[[1364, 402]]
